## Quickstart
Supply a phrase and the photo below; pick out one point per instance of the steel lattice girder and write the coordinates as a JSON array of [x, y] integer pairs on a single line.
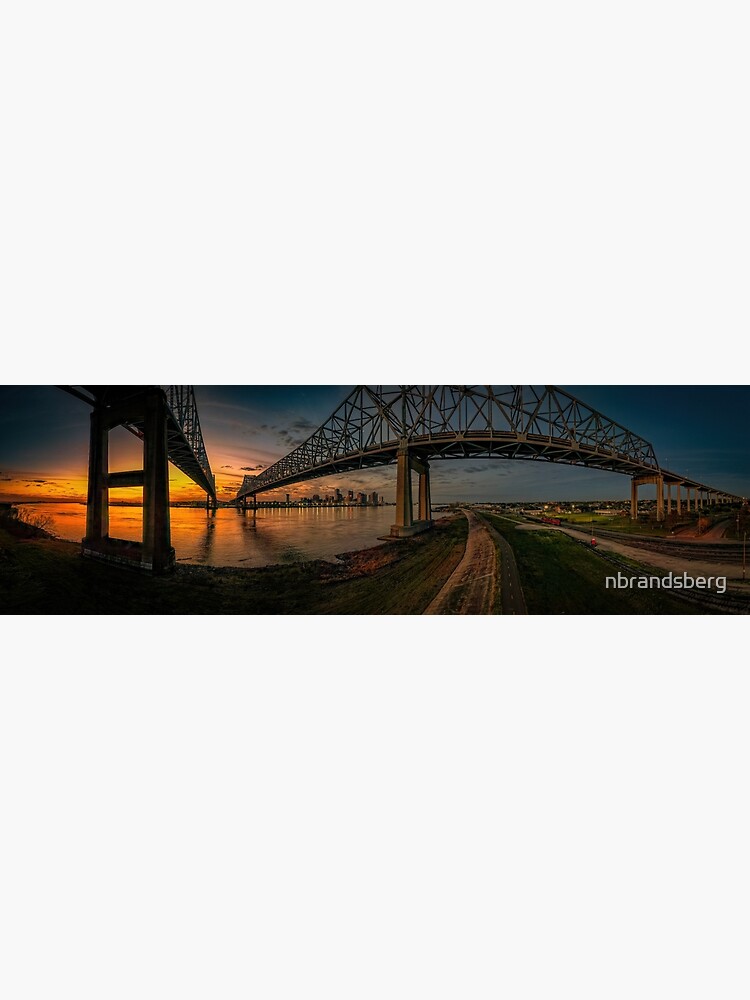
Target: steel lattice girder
[[459, 421], [181, 400], [186, 447]]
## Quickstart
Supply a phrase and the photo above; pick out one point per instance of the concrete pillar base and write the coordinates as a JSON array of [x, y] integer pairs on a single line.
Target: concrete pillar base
[[408, 530], [119, 552]]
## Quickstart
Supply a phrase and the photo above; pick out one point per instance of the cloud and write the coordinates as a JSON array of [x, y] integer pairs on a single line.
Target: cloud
[[227, 466], [252, 468]]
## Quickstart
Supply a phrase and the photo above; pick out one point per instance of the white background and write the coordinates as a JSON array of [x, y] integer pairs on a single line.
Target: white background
[[348, 808]]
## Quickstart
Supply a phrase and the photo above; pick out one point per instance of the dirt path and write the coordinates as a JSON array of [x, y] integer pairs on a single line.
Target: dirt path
[[470, 590]]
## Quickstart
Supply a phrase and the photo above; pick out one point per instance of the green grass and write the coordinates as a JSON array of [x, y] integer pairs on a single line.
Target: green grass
[[560, 576], [652, 529], [41, 576]]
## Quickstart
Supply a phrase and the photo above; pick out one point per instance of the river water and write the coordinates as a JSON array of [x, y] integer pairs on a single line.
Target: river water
[[229, 538]]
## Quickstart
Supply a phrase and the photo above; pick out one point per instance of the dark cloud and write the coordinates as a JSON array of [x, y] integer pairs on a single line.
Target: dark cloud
[[290, 440], [252, 468], [227, 466]]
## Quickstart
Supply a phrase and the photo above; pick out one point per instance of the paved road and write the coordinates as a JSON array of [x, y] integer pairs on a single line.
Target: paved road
[[511, 593], [470, 590]]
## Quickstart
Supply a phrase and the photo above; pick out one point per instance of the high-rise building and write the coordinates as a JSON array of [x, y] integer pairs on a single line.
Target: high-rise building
[[374, 499]]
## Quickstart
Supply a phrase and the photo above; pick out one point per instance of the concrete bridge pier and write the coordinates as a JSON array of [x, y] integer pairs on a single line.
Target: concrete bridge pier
[[425, 499], [643, 481], [679, 501], [146, 408], [405, 525], [669, 500], [660, 499]]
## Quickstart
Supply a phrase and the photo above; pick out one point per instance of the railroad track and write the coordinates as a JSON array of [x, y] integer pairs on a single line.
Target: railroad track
[[727, 603], [728, 552]]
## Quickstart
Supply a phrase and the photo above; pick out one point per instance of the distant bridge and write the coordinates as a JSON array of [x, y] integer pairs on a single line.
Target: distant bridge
[[413, 425], [166, 419]]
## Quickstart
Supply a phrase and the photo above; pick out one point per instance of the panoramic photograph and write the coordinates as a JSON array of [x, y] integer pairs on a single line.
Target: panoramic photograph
[[374, 500]]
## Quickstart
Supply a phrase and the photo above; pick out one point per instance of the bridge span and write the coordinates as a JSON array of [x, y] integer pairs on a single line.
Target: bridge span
[[413, 425]]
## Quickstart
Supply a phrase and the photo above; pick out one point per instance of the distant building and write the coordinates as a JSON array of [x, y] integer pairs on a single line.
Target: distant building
[[374, 499]]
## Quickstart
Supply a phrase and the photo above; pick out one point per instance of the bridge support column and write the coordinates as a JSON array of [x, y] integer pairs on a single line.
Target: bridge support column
[[679, 501], [425, 500], [634, 500], [405, 525], [669, 500], [158, 554], [97, 506], [660, 499], [148, 409], [404, 502]]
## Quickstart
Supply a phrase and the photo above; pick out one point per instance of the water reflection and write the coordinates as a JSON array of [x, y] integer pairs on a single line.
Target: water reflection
[[205, 545], [228, 537]]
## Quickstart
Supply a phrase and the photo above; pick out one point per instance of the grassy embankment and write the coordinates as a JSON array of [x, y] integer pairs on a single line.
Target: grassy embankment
[[45, 576], [559, 576]]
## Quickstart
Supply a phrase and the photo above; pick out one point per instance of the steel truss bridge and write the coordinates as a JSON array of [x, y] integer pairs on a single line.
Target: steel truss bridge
[[413, 425], [166, 419]]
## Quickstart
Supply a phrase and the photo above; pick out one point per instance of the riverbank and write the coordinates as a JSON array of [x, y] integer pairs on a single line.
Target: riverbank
[[48, 576]]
